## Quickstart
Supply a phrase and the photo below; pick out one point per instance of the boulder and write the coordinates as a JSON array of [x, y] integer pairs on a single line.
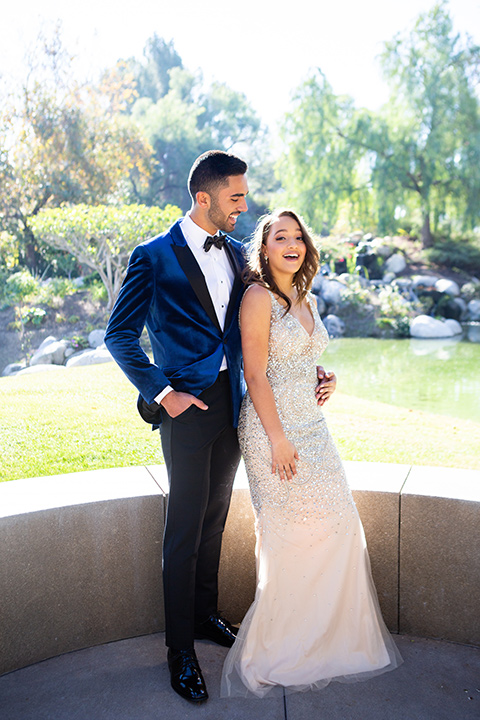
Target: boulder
[[426, 281], [334, 326], [95, 338], [460, 302], [474, 309], [90, 357], [321, 305], [396, 264], [473, 332], [389, 277], [331, 291], [447, 286], [454, 326], [424, 326], [317, 284], [384, 251], [13, 369], [48, 341], [53, 353]]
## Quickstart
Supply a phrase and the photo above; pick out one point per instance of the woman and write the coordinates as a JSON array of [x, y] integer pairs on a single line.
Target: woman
[[315, 617]]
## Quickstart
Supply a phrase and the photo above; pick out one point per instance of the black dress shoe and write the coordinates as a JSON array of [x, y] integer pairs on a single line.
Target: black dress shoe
[[216, 629], [185, 675]]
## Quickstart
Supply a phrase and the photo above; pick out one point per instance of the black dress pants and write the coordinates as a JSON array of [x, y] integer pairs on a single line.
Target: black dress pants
[[201, 453]]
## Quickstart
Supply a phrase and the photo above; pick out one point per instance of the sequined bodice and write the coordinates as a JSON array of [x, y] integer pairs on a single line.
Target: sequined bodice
[[293, 355], [292, 358]]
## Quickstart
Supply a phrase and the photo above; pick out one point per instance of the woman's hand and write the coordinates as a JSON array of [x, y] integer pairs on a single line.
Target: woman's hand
[[284, 455], [327, 383]]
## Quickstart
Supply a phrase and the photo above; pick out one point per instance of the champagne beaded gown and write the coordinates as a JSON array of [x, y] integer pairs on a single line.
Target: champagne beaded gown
[[315, 617]]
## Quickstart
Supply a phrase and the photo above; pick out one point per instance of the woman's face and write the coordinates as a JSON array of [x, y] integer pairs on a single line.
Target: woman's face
[[285, 246]]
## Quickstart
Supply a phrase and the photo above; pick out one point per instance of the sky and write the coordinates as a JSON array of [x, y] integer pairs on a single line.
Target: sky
[[261, 48]]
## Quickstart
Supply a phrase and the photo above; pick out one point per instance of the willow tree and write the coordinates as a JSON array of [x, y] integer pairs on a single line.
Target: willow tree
[[433, 121], [422, 151]]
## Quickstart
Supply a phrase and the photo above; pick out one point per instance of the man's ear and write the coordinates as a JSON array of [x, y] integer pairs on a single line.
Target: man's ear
[[202, 199]]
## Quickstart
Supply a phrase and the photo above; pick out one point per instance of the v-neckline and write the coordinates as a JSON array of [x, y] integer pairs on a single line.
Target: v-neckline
[[309, 335]]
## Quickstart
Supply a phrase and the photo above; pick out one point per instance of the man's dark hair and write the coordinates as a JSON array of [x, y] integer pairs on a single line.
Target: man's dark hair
[[213, 169]]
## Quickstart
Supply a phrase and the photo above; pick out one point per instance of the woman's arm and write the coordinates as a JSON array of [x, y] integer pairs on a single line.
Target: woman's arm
[[255, 328]]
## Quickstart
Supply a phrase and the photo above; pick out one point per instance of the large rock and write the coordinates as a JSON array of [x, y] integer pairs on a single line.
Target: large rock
[[447, 286], [13, 369], [95, 338], [384, 251], [90, 357], [321, 305], [424, 326], [473, 333], [396, 264], [474, 309], [48, 341], [425, 281], [334, 326], [331, 291], [454, 326], [52, 353], [460, 303]]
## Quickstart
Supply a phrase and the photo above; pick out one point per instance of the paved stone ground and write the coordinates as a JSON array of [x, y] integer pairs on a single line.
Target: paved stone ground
[[128, 680]]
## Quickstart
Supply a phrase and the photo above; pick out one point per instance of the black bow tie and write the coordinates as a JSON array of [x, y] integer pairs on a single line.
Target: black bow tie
[[218, 241]]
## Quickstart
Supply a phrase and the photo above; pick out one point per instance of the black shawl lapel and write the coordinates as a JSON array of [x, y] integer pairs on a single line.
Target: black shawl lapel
[[237, 283], [191, 268]]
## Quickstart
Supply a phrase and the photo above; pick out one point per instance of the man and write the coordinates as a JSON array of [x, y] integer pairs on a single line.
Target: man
[[185, 287]]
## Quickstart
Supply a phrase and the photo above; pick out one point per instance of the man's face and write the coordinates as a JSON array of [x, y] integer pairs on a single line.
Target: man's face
[[227, 203]]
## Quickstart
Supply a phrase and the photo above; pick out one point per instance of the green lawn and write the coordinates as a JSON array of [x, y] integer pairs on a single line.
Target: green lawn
[[85, 418]]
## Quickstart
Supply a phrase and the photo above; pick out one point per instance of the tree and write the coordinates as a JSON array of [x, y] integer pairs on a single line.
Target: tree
[[433, 120], [421, 151], [102, 237], [319, 169], [152, 75], [63, 143]]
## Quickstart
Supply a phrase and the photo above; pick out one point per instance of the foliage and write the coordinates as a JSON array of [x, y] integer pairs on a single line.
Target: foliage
[[395, 311], [61, 142], [319, 170], [102, 237], [185, 122], [459, 255], [33, 316], [78, 342], [354, 293], [20, 286], [420, 154]]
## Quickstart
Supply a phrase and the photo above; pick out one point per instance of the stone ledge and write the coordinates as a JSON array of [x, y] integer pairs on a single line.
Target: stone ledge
[[81, 562], [81, 555]]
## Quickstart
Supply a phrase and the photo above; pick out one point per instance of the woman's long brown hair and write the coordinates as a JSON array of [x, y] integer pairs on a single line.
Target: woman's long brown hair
[[258, 270]]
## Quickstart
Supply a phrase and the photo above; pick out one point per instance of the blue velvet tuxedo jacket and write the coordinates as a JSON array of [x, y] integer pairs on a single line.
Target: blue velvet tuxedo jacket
[[165, 290]]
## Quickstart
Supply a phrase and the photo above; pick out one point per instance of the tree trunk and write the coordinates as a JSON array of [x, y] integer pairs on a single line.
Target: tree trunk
[[427, 237]]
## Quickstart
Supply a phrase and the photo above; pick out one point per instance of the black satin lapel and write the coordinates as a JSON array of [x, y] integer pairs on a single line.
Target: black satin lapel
[[196, 278], [237, 283]]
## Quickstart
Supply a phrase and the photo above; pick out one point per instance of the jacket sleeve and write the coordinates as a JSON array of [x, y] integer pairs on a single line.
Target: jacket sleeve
[[126, 324]]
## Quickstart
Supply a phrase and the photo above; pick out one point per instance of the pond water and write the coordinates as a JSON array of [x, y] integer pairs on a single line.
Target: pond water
[[437, 376]]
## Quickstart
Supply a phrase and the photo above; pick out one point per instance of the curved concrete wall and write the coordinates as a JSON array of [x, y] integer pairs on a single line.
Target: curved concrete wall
[[80, 559]]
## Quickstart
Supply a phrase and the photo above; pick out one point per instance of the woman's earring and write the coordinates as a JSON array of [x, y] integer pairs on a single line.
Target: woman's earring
[[266, 258]]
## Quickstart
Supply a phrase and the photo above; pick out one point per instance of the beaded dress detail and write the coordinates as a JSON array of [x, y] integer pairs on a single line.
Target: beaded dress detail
[[315, 617]]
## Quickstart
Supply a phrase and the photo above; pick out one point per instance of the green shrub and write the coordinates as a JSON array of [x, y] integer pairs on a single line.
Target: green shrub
[[457, 254], [20, 286], [33, 316]]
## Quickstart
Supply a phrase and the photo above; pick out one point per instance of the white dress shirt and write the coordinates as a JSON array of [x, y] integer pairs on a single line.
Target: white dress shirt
[[217, 271]]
